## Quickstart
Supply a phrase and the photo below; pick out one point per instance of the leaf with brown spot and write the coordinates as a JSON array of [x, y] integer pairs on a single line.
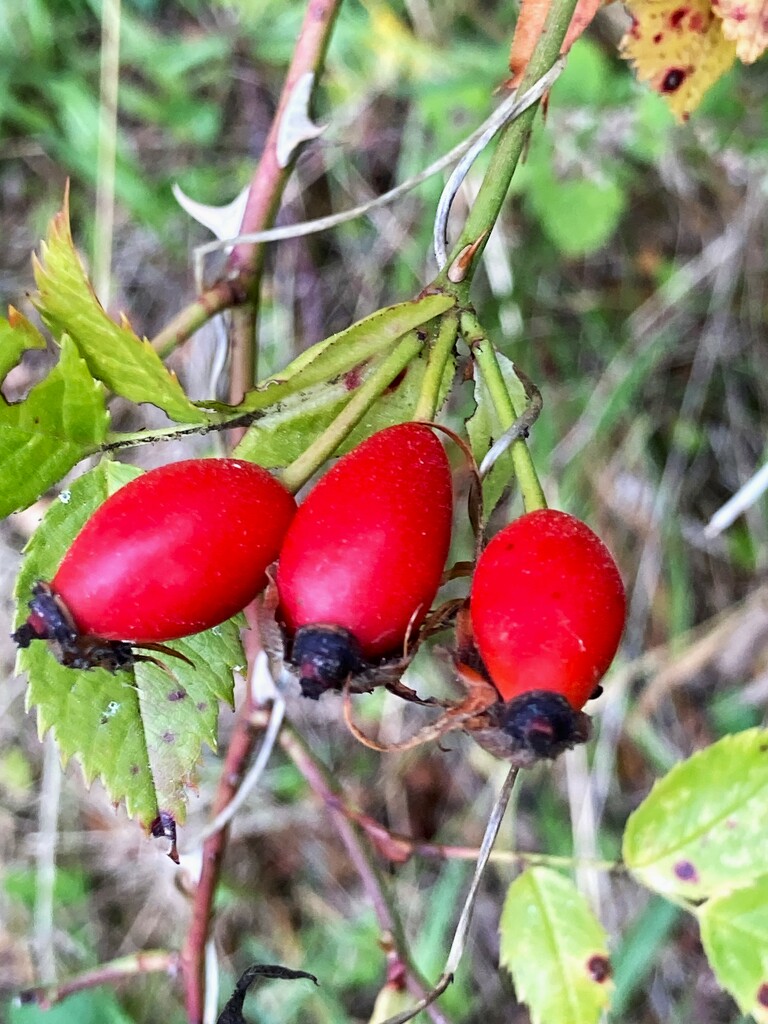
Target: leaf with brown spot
[[678, 47], [703, 828], [555, 949], [734, 933]]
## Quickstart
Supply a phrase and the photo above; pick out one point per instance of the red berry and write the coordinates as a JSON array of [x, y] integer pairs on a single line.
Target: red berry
[[175, 551], [367, 548], [548, 607]]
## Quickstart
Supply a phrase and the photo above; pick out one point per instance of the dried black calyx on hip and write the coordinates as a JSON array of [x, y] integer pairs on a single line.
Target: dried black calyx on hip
[[325, 656], [542, 722], [50, 620]]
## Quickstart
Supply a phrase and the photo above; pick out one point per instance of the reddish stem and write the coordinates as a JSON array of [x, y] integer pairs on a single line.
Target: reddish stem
[[399, 963], [270, 178], [246, 261], [235, 764], [146, 962]]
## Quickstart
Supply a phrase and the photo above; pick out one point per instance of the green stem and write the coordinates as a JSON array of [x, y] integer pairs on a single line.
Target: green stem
[[511, 140], [506, 408], [206, 306], [301, 469], [440, 353]]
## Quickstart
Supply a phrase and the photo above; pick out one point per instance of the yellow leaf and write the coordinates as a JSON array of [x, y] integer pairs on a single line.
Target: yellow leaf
[[678, 47]]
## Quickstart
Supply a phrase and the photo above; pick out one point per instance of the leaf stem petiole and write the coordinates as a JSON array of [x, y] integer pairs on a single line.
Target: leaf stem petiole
[[306, 465], [507, 410]]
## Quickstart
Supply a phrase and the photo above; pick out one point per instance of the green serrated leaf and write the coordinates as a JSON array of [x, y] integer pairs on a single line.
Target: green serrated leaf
[[140, 732], [703, 828], [179, 714], [342, 353], [17, 335], [115, 354], [555, 949], [61, 420], [734, 933], [484, 427]]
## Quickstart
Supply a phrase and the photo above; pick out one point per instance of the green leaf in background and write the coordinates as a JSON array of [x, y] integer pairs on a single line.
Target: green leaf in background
[[578, 215], [484, 427], [703, 828], [555, 949], [141, 732], [61, 420], [590, 79], [344, 352], [734, 932], [115, 354]]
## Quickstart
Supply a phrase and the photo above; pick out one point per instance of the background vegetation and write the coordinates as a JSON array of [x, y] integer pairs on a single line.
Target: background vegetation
[[627, 277]]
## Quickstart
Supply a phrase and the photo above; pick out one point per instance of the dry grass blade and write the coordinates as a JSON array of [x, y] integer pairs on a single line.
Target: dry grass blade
[[465, 918]]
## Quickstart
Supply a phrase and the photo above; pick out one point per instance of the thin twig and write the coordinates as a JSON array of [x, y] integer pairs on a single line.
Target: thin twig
[[273, 171], [247, 728], [460, 936], [146, 962], [360, 855], [104, 214], [492, 193], [506, 407], [256, 770], [510, 109], [243, 357], [398, 847], [246, 260], [214, 300], [519, 428], [491, 125]]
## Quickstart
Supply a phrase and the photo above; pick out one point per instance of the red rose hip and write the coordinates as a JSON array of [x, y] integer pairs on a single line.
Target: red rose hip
[[547, 607], [176, 551], [364, 556]]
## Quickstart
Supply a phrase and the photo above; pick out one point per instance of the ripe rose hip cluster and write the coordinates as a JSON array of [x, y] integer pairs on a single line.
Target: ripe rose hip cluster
[[359, 564]]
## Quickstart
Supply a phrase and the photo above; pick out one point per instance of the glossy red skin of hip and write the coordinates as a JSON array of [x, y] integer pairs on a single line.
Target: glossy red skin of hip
[[367, 547], [177, 550], [547, 606]]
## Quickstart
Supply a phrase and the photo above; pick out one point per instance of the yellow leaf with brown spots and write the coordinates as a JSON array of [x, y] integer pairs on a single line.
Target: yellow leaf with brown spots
[[679, 48]]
